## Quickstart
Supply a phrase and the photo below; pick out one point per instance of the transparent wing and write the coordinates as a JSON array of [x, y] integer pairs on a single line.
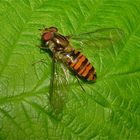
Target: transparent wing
[[58, 86], [99, 37]]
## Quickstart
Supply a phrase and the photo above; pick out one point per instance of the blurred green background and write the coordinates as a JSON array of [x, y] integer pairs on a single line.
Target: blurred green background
[[110, 108]]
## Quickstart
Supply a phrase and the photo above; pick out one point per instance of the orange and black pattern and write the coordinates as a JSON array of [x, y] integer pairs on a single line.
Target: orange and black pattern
[[61, 48], [80, 64]]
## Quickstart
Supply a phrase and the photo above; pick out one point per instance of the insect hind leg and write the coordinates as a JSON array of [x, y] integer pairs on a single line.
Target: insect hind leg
[[80, 83]]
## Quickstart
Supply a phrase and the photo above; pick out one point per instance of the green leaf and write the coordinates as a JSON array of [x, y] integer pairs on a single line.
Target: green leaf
[[110, 108]]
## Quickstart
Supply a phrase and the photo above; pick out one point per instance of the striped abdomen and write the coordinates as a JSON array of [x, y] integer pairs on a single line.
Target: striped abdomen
[[80, 64]]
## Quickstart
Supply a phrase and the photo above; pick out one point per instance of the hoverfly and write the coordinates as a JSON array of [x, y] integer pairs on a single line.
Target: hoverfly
[[62, 50]]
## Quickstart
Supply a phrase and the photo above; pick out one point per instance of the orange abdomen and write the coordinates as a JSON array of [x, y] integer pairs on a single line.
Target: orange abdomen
[[80, 65]]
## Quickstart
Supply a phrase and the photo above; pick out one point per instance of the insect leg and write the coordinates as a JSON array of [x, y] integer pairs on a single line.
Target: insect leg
[[41, 60], [79, 83]]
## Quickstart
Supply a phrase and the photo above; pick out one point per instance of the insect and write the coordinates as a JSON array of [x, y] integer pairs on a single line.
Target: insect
[[62, 50]]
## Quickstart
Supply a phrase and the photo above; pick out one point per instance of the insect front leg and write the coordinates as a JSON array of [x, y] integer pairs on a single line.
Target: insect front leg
[[41, 60]]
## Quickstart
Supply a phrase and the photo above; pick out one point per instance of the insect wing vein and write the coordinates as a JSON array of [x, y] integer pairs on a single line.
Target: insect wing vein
[[100, 37], [59, 86]]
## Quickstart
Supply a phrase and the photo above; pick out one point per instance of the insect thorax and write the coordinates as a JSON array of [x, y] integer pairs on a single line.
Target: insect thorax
[[61, 52]]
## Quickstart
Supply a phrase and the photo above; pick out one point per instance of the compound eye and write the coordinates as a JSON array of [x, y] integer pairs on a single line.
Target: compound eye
[[47, 36], [53, 29]]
